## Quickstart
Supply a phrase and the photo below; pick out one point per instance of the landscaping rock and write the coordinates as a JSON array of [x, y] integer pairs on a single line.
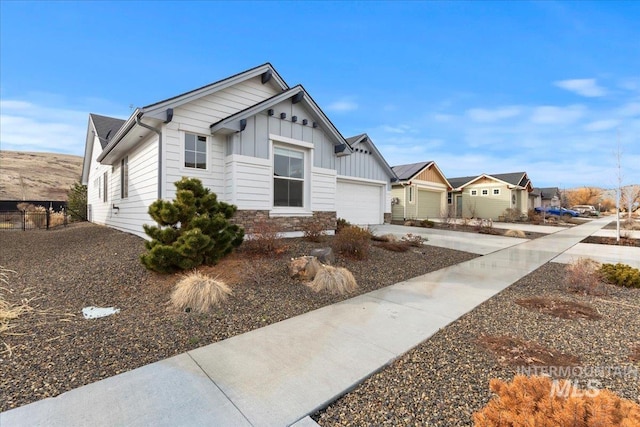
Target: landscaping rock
[[324, 255]]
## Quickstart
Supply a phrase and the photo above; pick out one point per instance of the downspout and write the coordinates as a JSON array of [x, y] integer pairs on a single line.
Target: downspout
[[151, 128]]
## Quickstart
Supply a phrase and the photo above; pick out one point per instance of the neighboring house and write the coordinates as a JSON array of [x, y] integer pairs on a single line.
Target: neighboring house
[[489, 196], [251, 139], [420, 192], [549, 196]]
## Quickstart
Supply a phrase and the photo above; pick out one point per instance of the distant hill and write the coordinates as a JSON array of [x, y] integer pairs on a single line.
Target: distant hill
[[37, 176]]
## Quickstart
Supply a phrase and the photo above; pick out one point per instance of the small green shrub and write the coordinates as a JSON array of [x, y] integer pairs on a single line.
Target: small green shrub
[[353, 241], [313, 231], [621, 275], [427, 223]]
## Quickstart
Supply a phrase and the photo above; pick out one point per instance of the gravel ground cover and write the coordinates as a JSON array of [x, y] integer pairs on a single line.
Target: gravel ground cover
[[444, 380], [54, 349]]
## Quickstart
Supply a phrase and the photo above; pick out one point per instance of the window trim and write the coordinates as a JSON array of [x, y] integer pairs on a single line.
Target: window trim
[[449, 198], [124, 177], [304, 179], [184, 152], [412, 198], [495, 192], [484, 192], [473, 193]]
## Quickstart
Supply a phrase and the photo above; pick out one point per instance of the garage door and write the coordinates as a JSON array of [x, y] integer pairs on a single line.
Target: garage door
[[429, 204], [359, 203]]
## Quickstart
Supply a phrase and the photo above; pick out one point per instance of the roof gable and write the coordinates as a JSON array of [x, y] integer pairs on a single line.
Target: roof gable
[[363, 140], [406, 172], [515, 179], [237, 121], [105, 127]]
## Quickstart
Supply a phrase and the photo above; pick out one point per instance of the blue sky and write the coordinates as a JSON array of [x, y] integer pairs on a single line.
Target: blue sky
[[546, 87]]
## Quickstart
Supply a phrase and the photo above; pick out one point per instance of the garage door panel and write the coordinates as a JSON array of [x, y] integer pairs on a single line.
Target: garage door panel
[[359, 203], [429, 204]]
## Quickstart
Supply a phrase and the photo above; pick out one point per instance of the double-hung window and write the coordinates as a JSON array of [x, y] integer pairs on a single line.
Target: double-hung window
[[124, 177], [288, 177], [195, 151]]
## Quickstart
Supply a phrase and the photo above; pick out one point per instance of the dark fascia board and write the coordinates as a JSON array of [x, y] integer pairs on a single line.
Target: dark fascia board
[[381, 159], [159, 108], [232, 123]]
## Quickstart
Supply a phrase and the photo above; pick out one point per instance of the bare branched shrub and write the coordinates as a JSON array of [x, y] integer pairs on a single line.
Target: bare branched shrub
[[199, 292], [353, 241], [335, 280], [313, 231], [512, 215], [515, 233], [265, 239], [583, 276]]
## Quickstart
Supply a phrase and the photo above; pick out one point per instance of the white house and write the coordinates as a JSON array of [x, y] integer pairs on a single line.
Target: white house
[[253, 140]]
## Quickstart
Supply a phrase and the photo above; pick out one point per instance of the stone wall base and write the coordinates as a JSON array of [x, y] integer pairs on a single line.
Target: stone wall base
[[257, 220]]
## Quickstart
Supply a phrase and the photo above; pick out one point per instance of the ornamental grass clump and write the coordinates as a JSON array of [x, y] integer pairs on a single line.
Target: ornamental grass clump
[[621, 275], [199, 293], [192, 230], [335, 280]]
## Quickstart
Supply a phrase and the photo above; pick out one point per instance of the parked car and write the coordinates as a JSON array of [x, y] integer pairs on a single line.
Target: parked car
[[557, 211], [586, 210]]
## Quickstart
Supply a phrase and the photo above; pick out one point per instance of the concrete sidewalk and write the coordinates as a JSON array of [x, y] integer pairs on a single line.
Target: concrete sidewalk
[[277, 375]]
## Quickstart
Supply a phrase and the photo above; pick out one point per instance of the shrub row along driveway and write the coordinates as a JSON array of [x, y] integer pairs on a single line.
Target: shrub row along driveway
[[54, 349]]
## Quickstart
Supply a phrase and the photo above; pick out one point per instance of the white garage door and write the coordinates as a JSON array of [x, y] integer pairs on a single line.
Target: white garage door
[[359, 203]]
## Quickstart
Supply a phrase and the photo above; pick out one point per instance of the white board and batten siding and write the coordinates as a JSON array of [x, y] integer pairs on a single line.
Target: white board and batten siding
[[323, 190], [248, 182]]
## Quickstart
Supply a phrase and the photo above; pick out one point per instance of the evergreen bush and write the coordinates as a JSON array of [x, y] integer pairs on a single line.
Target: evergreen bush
[[621, 275], [192, 230]]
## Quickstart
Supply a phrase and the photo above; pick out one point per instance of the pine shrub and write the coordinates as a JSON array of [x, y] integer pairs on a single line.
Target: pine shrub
[[531, 401], [353, 241], [621, 275], [192, 230]]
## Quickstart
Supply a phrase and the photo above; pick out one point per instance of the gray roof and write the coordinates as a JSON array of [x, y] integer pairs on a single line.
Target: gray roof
[[353, 139], [514, 178], [460, 180], [405, 172], [106, 127], [547, 192]]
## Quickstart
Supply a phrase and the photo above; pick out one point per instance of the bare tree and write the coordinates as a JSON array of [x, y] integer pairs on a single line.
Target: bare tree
[[629, 196]]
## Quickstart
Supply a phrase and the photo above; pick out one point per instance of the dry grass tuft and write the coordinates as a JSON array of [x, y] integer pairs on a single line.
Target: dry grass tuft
[[336, 280], [583, 276], [199, 292], [515, 233], [9, 311]]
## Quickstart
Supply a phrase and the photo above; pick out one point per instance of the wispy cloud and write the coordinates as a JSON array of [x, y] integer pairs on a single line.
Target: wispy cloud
[[342, 105], [553, 115], [582, 87], [600, 125], [483, 115], [28, 126]]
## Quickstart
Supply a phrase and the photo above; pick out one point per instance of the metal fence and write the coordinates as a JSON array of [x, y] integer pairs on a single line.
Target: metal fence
[[33, 220]]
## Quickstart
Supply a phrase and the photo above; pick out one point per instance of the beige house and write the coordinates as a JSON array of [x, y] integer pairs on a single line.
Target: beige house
[[419, 193], [489, 196]]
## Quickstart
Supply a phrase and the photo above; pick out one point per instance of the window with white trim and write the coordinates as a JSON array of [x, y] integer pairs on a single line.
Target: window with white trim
[[195, 151], [485, 192], [288, 177], [449, 198], [474, 192], [496, 191], [410, 194], [124, 177], [105, 186]]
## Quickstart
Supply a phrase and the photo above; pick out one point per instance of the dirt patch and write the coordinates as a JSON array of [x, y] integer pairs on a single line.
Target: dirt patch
[[601, 240], [517, 352], [560, 308]]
